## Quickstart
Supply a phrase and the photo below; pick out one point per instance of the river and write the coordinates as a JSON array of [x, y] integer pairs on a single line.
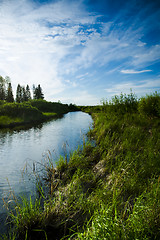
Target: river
[[28, 148]]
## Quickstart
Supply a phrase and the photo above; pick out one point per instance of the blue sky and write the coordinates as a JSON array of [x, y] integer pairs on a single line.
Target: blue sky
[[81, 51]]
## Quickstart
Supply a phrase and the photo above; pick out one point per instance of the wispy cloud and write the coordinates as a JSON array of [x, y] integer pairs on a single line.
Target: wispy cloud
[[131, 71], [139, 87], [34, 40], [79, 97], [60, 44]]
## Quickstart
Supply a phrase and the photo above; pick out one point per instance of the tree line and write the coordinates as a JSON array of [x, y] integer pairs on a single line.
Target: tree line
[[22, 93]]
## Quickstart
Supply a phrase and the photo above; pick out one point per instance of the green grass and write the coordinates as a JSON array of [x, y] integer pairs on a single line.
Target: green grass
[[49, 114], [5, 120], [55, 107], [110, 190], [13, 114], [26, 215]]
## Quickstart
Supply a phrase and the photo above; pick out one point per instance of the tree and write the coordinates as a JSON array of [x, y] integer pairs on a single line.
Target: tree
[[28, 93], [24, 97], [9, 95], [7, 79], [2, 88], [19, 94], [37, 92]]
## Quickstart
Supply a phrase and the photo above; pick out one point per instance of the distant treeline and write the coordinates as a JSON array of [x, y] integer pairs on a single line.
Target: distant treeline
[[22, 93]]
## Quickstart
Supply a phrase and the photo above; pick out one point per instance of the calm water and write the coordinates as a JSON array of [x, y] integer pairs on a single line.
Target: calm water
[[18, 148]]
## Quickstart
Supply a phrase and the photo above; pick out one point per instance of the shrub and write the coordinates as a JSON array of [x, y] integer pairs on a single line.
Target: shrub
[[45, 106], [121, 104], [23, 110], [150, 105], [2, 102]]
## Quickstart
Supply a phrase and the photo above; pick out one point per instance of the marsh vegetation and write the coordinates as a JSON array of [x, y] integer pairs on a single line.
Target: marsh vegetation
[[31, 112], [107, 190]]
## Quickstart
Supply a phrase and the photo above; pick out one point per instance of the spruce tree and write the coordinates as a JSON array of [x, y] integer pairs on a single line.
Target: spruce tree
[[24, 97], [34, 88], [28, 93], [2, 88], [9, 97], [19, 94], [37, 92]]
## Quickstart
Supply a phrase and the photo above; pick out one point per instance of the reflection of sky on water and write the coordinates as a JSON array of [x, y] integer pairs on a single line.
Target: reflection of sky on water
[[32, 145]]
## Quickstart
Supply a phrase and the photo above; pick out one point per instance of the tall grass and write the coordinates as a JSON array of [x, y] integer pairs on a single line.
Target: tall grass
[[45, 106], [24, 111], [26, 216], [29, 112], [110, 190]]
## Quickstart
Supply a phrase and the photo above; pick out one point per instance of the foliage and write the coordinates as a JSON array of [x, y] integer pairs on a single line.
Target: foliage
[[110, 190], [6, 89], [37, 92], [19, 94], [27, 112], [28, 93], [9, 96], [6, 120], [25, 212], [2, 88], [45, 106], [23, 94], [150, 105], [121, 104], [139, 222], [73, 107], [23, 110], [2, 102]]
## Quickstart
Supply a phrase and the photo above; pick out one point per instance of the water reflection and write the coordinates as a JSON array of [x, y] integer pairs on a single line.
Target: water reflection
[[31, 145]]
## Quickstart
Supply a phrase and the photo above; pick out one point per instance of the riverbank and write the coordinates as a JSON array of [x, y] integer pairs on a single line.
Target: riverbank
[[105, 191], [31, 112]]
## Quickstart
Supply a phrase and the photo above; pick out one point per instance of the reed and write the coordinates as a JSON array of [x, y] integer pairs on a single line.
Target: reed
[[107, 190]]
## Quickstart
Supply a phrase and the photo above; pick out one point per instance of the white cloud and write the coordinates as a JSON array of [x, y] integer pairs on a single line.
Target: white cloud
[[114, 45], [130, 71], [32, 45], [80, 97], [139, 87], [147, 55], [62, 41]]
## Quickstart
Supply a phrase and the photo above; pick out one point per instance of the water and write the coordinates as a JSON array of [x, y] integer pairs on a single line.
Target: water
[[31, 146]]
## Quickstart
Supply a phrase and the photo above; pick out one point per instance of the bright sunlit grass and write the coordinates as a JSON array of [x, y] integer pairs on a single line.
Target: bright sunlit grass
[[110, 190], [6, 120]]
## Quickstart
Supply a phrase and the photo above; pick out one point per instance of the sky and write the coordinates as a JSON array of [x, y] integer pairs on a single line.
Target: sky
[[81, 51]]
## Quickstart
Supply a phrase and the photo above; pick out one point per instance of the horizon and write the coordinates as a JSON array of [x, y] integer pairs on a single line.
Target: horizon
[[81, 52]]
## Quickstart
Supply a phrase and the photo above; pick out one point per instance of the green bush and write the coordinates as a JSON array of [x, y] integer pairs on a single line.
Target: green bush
[[121, 104], [23, 110], [45, 106], [111, 190], [2, 102], [150, 105]]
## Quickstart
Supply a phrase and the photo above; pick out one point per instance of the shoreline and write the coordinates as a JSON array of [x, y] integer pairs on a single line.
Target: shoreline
[[31, 113], [109, 190], [32, 122]]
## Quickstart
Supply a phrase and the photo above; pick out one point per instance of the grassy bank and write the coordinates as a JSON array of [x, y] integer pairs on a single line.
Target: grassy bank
[[33, 111], [110, 190]]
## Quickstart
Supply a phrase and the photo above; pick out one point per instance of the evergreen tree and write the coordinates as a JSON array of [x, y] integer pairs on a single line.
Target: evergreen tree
[[2, 88], [19, 94], [9, 97], [34, 91], [28, 93], [37, 92], [24, 97]]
